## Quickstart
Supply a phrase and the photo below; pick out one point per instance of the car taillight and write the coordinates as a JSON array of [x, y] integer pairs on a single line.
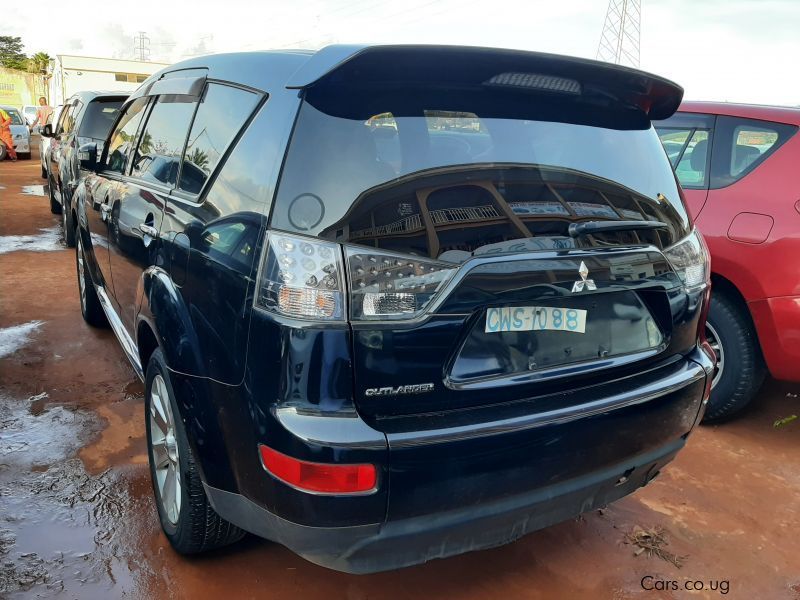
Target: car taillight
[[384, 285], [302, 278], [690, 259], [320, 478]]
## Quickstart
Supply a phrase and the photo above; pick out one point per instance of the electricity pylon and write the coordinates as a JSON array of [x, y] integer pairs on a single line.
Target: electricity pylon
[[619, 42]]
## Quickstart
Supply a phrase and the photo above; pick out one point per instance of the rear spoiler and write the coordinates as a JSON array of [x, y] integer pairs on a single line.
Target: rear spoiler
[[463, 66]]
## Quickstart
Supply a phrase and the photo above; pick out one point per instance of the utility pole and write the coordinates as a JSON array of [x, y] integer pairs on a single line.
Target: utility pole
[[619, 42], [141, 46]]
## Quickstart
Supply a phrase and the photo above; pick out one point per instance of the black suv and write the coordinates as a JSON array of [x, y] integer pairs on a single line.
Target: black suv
[[396, 303], [86, 118]]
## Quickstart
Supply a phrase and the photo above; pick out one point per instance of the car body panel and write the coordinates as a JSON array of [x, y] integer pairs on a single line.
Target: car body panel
[[751, 226]]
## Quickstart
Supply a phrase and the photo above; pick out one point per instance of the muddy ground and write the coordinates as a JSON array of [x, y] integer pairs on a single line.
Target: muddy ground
[[77, 518]]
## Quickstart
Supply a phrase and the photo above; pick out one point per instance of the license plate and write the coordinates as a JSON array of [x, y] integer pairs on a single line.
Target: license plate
[[535, 318]]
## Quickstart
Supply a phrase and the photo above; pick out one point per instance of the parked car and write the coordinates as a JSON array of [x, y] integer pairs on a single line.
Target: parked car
[[44, 141], [377, 365], [87, 117], [738, 165], [20, 134], [29, 114]]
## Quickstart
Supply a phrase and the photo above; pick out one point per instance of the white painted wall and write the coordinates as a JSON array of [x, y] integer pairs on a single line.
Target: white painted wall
[[82, 73]]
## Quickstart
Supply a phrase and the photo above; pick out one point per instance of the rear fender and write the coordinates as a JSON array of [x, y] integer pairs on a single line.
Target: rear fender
[[163, 310]]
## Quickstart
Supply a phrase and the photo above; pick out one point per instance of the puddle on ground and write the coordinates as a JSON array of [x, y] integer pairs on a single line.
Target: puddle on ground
[[61, 528], [33, 190], [14, 338], [48, 240]]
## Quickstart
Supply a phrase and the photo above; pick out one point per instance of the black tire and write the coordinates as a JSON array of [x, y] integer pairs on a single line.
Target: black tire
[[3, 151], [55, 205], [44, 172], [24, 155], [68, 222], [743, 370], [198, 528], [91, 308]]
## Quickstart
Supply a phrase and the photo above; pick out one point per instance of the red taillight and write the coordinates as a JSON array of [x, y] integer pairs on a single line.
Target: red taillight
[[321, 478]]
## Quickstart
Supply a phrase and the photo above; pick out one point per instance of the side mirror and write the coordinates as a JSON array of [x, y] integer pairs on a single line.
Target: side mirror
[[87, 155], [46, 130]]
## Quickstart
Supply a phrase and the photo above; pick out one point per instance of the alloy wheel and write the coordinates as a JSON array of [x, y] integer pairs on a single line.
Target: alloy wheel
[[81, 275], [164, 450], [713, 340]]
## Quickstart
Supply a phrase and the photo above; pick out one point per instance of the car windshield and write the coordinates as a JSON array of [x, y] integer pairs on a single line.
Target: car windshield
[[100, 116], [512, 165]]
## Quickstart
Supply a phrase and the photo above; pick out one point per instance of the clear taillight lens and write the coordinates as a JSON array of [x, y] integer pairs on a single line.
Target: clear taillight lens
[[690, 259], [387, 286], [302, 278]]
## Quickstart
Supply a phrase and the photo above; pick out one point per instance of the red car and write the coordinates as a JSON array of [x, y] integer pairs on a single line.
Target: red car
[[739, 166]]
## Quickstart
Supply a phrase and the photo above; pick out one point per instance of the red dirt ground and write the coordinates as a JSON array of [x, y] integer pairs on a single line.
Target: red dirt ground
[[77, 515]]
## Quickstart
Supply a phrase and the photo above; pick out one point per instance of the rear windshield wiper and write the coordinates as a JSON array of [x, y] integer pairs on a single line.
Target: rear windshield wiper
[[589, 227]]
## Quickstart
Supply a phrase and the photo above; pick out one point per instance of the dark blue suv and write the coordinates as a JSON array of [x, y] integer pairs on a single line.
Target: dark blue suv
[[395, 303]]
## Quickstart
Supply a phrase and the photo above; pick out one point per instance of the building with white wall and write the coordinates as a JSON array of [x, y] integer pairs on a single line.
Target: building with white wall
[[72, 74]]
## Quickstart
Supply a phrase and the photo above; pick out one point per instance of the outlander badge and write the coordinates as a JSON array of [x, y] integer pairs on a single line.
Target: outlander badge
[[583, 283]]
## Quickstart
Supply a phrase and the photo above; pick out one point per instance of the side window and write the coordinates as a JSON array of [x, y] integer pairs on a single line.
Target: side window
[[222, 112], [742, 145], [65, 113], [688, 153], [69, 121], [122, 139], [158, 155]]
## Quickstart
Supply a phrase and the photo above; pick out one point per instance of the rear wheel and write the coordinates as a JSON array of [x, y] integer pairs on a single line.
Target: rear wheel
[[3, 151], [91, 309], [69, 227], [187, 518], [55, 206], [740, 368]]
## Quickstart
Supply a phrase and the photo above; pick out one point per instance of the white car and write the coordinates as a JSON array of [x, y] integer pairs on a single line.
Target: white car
[[20, 134], [44, 141], [29, 113]]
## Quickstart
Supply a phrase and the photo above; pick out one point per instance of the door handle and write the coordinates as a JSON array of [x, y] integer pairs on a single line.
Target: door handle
[[148, 230]]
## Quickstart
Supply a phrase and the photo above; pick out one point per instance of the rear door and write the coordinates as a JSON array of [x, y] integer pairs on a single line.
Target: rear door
[[688, 140], [105, 188], [137, 209]]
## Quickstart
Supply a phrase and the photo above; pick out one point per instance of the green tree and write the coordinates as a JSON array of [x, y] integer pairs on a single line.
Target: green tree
[[39, 62], [11, 54], [199, 158]]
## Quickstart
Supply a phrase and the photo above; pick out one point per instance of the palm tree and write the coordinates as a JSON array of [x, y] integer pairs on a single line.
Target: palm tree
[[39, 63]]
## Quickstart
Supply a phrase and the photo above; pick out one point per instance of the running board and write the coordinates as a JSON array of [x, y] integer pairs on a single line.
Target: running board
[[128, 345]]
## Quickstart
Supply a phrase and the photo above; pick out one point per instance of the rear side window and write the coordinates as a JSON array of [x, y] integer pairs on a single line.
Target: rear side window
[[98, 118], [124, 136], [222, 112], [67, 123], [688, 152], [158, 154], [742, 145]]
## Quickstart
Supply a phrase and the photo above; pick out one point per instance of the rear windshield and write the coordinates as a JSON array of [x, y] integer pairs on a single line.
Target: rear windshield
[[426, 178], [100, 116]]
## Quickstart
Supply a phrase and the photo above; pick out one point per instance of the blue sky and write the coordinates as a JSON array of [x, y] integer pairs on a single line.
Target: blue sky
[[734, 50]]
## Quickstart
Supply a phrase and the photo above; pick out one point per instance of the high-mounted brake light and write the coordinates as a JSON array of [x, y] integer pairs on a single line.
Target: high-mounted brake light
[[320, 478], [535, 81]]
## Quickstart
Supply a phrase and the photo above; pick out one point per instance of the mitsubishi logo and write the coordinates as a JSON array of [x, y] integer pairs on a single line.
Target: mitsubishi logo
[[583, 283]]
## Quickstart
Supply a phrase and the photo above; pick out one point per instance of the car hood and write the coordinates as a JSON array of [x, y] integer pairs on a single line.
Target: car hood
[[20, 130]]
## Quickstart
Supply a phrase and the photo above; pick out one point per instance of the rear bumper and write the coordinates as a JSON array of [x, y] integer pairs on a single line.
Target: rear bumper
[[777, 321], [396, 544], [449, 491]]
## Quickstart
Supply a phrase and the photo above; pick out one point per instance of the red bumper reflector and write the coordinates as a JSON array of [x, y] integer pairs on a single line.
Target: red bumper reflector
[[318, 477]]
